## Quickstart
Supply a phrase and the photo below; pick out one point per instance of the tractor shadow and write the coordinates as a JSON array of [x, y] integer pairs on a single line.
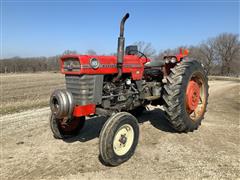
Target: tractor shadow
[[157, 119], [93, 126], [91, 130]]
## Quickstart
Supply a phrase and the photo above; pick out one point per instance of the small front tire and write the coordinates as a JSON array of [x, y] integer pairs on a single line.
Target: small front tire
[[118, 139]]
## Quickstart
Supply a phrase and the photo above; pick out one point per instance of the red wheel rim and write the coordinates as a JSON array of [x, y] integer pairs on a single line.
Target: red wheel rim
[[195, 97]]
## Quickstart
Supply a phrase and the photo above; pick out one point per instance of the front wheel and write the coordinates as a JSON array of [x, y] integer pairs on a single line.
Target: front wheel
[[64, 127], [186, 96], [118, 138]]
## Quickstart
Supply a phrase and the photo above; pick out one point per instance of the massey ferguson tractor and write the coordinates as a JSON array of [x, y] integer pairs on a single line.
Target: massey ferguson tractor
[[119, 87]]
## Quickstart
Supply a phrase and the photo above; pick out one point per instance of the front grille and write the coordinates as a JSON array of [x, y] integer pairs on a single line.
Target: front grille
[[86, 89], [71, 64]]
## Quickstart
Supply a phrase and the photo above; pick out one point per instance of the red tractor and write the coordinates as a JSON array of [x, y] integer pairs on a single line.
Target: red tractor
[[118, 87]]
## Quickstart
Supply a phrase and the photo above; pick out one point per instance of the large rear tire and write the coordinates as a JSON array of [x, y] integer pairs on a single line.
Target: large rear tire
[[66, 128], [118, 139], [186, 96]]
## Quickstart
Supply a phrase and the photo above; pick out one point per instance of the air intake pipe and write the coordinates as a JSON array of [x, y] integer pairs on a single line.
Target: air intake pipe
[[120, 49]]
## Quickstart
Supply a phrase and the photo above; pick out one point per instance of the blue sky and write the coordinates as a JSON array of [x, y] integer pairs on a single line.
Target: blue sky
[[46, 28]]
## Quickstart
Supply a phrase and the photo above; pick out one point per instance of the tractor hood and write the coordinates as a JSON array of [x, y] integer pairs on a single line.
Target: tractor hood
[[86, 64]]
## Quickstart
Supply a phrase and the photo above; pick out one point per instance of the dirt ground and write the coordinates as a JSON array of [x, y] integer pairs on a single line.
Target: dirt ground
[[28, 150]]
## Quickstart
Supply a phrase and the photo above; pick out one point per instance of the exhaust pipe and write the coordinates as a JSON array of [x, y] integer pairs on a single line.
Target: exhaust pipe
[[120, 48]]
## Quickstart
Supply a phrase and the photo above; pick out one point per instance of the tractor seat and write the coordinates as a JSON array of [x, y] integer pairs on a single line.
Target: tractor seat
[[157, 63]]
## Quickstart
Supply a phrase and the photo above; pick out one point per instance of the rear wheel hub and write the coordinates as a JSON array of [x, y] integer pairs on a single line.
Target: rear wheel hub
[[193, 95]]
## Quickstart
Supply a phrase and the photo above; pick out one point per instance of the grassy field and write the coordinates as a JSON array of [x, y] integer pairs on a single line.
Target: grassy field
[[27, 91]]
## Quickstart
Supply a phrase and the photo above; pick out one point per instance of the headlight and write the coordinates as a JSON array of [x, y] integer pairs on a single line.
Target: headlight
[[94, 63], [170, 59], [71, 64]]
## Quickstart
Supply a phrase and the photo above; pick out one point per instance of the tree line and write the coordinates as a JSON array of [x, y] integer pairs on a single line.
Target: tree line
[[34, 64], [219, 55]]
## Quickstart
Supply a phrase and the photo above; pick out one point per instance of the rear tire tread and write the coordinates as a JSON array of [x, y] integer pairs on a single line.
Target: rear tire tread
[[173, 95]]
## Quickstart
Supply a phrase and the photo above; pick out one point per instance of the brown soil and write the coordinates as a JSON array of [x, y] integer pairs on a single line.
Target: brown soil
[[28, 150]]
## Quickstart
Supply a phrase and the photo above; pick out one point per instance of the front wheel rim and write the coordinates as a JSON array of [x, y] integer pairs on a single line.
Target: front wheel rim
[[123, 140]]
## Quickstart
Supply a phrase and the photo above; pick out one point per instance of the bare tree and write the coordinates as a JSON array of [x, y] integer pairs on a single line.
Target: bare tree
[[220, 56], [205, 53], [33, 64], [227, 46], [91, 52], [145, 48], [208, 52], [69, 52]]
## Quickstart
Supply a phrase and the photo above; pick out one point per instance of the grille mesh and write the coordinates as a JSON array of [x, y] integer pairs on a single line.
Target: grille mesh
[[81, 87]]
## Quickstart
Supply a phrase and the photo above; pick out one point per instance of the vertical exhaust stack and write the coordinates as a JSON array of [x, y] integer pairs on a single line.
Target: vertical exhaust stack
[[120, 48]]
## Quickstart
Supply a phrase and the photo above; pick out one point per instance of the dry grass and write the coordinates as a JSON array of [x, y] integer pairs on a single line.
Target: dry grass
[[27, 91], [32, 90], [224, 78]]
